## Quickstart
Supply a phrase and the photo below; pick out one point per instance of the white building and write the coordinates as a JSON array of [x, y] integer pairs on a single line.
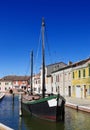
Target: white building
[[37, 83], [48, 75], [13, 81], [5, 85], [61, 81]]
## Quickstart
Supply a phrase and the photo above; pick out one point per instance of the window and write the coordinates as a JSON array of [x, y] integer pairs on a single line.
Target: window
[[56, 89], [89, 71], [52, 89], [57, 78], [39, 89], [69, 76], [73, 75], [36, 81], [52, 79], [84, 73], [89, 90], [11, 83], [79, 73], [89, 65], [6, 83], [35, 89]]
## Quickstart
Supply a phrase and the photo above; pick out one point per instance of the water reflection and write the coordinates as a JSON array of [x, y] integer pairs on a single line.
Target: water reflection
[[77, 120], [9, 111], [38, 124], [20, 123], [73, 121]]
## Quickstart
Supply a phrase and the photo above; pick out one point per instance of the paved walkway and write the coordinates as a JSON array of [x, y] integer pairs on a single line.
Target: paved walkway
[[78, 103]]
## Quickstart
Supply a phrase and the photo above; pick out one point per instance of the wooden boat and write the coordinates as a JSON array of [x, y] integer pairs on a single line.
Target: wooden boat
[[49, 107]]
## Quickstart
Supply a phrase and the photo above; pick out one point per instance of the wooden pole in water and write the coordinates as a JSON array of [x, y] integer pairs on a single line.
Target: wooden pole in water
[[31, 72], [20, 111]]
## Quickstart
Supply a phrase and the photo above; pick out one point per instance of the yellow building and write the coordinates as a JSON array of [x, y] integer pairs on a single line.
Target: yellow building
[[81, 79]]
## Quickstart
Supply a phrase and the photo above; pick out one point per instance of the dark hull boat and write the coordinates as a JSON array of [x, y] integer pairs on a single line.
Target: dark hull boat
[[50, 107]]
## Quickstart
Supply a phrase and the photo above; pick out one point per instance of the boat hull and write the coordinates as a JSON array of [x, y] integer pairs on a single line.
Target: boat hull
[[48, 109]]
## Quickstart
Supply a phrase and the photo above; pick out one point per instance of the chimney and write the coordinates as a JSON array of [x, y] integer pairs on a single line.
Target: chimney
[[70, 63]]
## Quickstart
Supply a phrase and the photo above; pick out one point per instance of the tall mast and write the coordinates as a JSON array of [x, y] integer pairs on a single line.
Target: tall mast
[[31, 71], [43, 59]]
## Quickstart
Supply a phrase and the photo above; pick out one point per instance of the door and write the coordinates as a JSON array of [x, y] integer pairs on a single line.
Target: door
[[78, 91], [69, 91], [85, 90]]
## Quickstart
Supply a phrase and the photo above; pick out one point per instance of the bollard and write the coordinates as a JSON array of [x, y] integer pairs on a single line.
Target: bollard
[[20, 111], [77, 107]]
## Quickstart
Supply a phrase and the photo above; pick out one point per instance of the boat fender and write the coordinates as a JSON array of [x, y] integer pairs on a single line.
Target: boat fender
[[59, 102], [32, 98]]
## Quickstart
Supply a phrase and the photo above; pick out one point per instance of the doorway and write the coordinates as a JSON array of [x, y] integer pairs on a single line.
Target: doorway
[[69, 91], [85, 90]]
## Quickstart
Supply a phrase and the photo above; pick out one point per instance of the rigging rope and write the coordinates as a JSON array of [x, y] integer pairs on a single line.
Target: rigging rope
[[48, 47], [28, 68], [37, 52]]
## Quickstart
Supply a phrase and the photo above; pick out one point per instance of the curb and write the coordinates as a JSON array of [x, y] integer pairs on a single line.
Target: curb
[[77, 107]]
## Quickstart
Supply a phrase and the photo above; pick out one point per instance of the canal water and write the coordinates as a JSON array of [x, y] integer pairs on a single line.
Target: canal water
[[9, 115]]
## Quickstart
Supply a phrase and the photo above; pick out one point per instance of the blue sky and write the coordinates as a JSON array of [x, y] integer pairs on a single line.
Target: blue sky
[[67, 32]]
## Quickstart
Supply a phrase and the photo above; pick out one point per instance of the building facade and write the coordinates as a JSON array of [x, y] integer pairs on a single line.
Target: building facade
[[36, 83], [11, 82], [73, 80], [48, 77], [81, 79], [5, 85], [61, 81]]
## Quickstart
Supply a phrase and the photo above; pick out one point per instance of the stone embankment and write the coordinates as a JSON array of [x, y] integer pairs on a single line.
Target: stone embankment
[[12, 91], [78, 104]]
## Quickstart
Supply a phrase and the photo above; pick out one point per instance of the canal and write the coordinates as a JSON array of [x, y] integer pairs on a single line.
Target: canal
[[9, 115]]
